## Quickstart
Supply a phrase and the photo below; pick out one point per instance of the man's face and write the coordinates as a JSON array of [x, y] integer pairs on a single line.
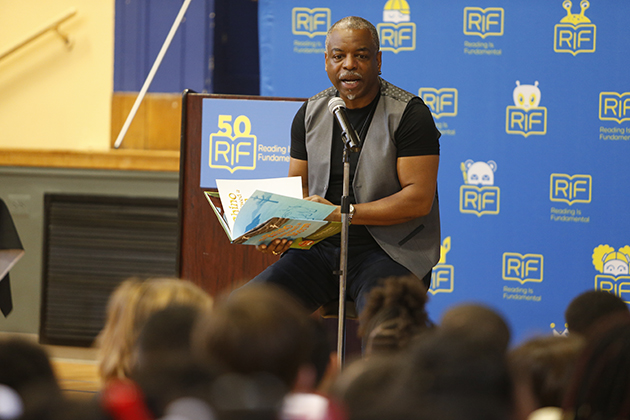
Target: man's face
[[353, 64]]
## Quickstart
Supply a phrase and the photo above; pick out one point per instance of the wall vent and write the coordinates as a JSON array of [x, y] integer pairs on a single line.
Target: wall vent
[[91, 244]]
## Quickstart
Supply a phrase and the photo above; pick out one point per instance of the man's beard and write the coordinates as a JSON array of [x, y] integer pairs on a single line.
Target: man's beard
[[351, 96]]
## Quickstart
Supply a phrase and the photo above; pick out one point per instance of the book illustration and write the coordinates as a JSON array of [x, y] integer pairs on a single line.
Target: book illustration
[[260, 201], [235, 192], [263, 206], [265, 216], [288, 212]]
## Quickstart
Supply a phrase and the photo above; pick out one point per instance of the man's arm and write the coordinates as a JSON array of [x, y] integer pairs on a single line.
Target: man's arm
[[299, 167], [418, 178]]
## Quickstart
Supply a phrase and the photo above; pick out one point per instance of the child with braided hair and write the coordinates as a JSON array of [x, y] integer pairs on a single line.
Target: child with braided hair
[[394, 314]]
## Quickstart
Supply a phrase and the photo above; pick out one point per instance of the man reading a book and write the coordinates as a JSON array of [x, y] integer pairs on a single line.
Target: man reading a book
[[395, 226]]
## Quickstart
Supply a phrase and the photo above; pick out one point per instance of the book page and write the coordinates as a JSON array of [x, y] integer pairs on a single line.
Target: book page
[[264, 205], [235, 192], [217, 208]]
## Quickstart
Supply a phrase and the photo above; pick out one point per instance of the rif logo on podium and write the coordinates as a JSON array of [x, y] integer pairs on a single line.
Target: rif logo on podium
[[525, 117], [570, 189], [441, 102], [442, 277], [244, 139], [310, 22], [615, 269], [397, 32], [614, 106], [523, 268], [483, 22], [575, 33], [479, 195], [233, 147]]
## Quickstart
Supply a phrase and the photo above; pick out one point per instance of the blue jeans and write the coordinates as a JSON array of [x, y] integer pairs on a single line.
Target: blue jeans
[[311, 275]]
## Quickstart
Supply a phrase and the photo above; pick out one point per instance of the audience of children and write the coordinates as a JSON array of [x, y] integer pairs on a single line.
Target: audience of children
[[168, 353]]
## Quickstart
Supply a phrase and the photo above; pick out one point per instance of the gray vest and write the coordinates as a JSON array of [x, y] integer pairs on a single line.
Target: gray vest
[[414, 244]]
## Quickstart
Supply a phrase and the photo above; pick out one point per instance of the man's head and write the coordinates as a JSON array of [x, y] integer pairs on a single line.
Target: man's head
[[353, 60]]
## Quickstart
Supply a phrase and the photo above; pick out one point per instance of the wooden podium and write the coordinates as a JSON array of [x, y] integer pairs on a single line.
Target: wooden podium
[[205, 255]]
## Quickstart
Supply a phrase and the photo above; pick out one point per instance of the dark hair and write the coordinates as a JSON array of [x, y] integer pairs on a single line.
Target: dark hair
[[366, 388], [394, 314], [25, 367], [260, 328], [545, 365], [480, 323], [23, 363], [600, 388], [451, 371], [588, 307], [164, 341]]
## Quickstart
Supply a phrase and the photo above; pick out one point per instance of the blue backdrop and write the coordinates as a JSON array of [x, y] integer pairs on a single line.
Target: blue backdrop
[[533, 102]]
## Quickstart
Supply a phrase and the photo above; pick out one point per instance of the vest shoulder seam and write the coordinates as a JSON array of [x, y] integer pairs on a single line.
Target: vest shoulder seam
[[330, 92], [394, 92]]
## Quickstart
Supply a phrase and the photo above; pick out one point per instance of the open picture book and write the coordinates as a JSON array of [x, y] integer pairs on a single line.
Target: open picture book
[[258, 211]]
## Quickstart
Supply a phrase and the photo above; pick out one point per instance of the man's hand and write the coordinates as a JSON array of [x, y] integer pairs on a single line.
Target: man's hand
[[335, 216], [275, 247], [318, 199]]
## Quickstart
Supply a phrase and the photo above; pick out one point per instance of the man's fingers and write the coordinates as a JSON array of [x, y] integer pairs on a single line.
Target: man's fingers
[[318, 199], [286, 246], [279, 246], [275, 247]]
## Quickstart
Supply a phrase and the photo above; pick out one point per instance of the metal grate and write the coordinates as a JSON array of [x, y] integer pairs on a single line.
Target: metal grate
[[91, 244]]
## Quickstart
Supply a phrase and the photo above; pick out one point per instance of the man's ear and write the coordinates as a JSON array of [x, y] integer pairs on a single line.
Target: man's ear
[[326, 62]]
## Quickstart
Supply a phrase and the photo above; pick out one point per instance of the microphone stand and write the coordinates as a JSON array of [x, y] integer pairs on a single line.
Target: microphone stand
[[343, 257]]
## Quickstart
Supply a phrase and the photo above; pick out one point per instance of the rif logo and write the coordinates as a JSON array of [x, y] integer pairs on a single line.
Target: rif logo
[[310, 22], [442, 102], [615, 267], [570, 188], [233, 147], [479, 195], [483, 22], [523, 268], [442, 277], [614, 106], [575, 33], [397, 33], [525, 117]]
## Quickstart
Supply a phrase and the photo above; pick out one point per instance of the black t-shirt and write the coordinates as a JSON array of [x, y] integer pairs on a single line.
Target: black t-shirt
[[416, 135]]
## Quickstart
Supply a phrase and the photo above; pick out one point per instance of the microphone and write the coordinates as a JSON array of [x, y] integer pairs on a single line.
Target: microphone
[[337, 107]]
